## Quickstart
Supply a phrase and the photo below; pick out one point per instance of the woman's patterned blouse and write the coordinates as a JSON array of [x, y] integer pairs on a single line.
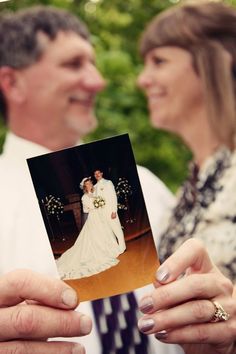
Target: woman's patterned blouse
[[206, 209]]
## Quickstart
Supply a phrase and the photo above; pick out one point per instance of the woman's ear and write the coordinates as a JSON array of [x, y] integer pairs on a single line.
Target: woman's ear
[[10, 84]]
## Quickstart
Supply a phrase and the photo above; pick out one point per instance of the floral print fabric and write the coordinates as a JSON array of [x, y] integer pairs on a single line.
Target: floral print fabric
[[206, 209]]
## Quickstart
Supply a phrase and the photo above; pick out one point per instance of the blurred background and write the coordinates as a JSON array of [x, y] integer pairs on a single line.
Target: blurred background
[[116, 26]]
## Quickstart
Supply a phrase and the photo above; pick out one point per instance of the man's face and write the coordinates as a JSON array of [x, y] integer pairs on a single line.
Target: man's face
[[60, 88], [98, 175]]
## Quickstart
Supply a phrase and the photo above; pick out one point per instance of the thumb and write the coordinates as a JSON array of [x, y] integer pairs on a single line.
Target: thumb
[[23, 284]]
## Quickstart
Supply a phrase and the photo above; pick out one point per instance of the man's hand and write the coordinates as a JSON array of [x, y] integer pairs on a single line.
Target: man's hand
[[34, 307], [113, 215]]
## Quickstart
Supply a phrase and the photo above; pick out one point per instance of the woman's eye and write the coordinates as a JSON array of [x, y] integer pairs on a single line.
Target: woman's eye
[[158, 60]]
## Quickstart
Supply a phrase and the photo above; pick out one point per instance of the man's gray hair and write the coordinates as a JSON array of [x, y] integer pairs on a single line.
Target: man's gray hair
[[19, 45]]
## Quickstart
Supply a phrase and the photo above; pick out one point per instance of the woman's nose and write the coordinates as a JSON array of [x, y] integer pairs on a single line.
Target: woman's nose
[[144, 79]]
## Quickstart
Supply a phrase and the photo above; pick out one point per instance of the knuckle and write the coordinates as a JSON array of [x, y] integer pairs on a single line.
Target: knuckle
[[200, 310], [66, 328], [16, 347], [19, 279], [198, 286], [201, 335], [227, 285], [64, 324], [24, 321], [164, 296], [197, 245], [231, 306], [230, 329]]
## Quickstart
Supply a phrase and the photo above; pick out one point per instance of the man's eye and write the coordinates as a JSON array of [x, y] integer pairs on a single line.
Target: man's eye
[[75, 64]]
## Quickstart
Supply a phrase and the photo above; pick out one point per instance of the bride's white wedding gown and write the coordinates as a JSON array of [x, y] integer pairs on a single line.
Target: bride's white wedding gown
[[94, 250]]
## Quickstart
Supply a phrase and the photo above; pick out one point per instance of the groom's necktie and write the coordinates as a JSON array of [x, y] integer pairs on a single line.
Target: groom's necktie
[[116, 320]]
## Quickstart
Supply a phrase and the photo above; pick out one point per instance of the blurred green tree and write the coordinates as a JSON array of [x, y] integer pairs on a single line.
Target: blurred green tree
[[116, 27]]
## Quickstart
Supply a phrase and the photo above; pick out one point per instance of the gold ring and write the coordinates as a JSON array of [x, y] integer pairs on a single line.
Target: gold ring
[[220, 314]]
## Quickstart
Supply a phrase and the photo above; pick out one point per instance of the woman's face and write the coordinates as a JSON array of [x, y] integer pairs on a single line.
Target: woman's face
[[174, 90], [88, 186]]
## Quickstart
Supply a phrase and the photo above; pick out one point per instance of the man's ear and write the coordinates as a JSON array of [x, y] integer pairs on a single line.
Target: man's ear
[[10, 84]]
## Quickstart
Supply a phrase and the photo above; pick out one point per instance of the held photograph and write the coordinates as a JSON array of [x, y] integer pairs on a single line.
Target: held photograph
[[94, 212]]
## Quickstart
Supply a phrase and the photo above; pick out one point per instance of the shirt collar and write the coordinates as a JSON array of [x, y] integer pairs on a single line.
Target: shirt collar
[[17, 148]]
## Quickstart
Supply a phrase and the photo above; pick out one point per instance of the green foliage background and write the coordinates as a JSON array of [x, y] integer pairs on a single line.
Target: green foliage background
[[116, 26]]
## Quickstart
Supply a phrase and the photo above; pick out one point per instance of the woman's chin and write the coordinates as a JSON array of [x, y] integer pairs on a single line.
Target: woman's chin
[[158, 123]]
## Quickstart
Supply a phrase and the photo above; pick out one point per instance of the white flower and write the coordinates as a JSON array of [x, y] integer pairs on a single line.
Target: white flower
[[54, 205], [99, 202]]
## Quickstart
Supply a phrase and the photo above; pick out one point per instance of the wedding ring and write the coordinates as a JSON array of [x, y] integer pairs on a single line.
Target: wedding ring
[[220, 314]]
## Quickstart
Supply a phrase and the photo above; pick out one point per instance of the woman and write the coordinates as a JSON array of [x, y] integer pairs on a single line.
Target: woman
[[96, 248], [190, 81]]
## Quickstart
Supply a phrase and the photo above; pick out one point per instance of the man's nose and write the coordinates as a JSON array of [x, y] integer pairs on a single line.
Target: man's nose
[[94, 79]]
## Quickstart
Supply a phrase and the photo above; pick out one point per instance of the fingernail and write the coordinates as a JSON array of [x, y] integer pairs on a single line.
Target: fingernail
[[146, 325], [69, 298], [162, 274], [85, 324], [78, 349], [161, 335], [146, 304]]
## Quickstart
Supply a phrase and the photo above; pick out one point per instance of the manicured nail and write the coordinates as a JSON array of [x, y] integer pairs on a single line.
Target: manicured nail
[[146, 325], [146, 304], [69, 298], [162, 274], [161, 335], [85, 324], [78, 349]]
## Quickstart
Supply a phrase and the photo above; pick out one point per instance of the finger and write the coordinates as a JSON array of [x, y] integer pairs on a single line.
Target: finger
[[191, 254], [195, 286], [36, 322], [192, 312], [26, 347], [212, 333], [21, 285]]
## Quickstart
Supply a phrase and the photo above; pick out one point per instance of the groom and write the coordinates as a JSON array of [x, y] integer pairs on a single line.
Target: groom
[[105, 189]]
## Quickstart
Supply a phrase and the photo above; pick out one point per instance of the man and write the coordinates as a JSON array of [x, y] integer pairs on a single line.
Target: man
[[106, 189], [48, 84]]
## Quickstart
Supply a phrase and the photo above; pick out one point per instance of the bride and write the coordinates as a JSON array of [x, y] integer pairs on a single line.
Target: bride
[[96, 247]]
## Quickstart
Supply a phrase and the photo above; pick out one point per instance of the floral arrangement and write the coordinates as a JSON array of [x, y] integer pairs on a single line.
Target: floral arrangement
[[99, 202], [53, 205], [123, 191]]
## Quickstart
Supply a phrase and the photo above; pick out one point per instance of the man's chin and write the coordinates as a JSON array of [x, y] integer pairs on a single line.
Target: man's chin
[[83, 126]]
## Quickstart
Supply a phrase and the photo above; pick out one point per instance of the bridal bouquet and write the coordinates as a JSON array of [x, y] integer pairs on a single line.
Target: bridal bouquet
[[99, 202]]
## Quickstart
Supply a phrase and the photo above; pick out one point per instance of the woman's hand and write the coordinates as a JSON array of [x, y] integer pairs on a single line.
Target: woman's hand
[[33, 308], [181, 307]]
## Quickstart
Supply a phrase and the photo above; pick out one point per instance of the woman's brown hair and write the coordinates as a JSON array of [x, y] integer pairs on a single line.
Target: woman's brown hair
[[208, 32]]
